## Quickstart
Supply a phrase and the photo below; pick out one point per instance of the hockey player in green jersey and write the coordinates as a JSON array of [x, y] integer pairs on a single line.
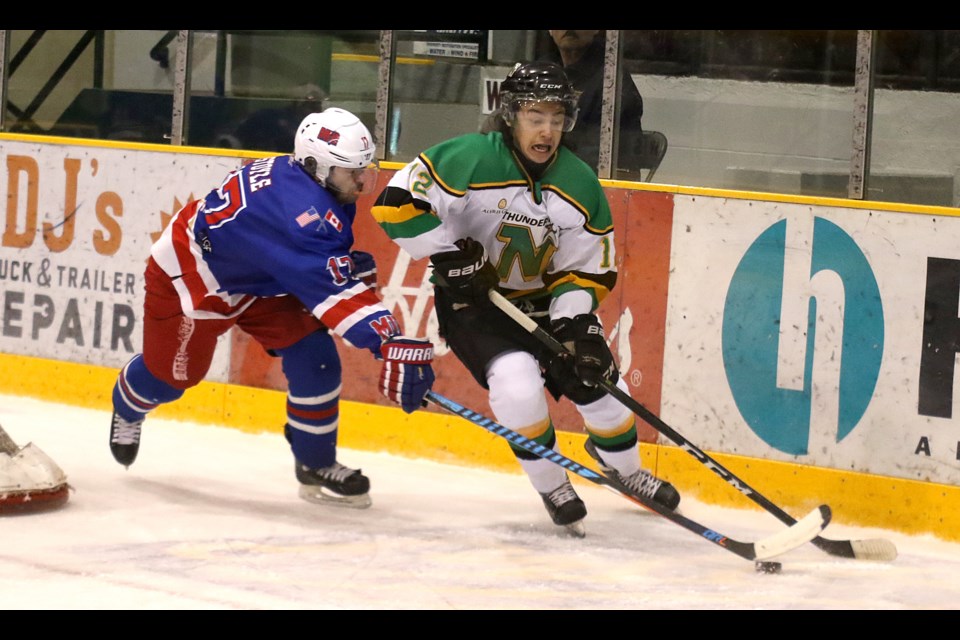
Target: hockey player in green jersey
[[512, 209]]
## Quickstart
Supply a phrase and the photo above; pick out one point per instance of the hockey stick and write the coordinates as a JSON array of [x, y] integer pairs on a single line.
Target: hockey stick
[[794, 536], [872, 549]]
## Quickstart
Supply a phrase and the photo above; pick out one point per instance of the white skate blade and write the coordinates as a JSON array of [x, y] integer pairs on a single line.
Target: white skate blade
[[318, 495], [576, 529]]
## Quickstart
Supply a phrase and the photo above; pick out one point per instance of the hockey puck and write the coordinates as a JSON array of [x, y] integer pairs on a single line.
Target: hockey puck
[[768, 567]]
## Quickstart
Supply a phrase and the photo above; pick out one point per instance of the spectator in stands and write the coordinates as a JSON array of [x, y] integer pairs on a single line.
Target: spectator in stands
[[581, 52]]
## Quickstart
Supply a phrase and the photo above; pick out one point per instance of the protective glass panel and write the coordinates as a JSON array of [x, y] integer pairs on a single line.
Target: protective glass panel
[[261, 84], [750, 110], [915, 150], [101, 84]]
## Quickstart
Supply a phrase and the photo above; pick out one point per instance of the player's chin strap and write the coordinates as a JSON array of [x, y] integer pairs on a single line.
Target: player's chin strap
[[774, 545], [872, 549]]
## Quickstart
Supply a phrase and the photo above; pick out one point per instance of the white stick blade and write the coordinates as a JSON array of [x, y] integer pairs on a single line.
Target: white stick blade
[[801, 532], [874, 549]]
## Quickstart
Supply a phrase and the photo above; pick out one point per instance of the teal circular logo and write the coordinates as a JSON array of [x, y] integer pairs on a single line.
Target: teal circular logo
[[751, 333]]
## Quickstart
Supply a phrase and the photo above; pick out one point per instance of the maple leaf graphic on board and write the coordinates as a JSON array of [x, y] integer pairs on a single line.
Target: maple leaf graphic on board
[[166, 217]]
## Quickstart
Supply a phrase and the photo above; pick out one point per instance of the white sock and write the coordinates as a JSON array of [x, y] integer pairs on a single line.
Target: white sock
[[626, 462], [544, 475]]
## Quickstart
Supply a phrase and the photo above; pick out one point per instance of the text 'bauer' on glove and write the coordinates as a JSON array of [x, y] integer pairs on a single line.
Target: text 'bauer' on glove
[[364, 268], [406, 375], [465, 274], [583, 337]]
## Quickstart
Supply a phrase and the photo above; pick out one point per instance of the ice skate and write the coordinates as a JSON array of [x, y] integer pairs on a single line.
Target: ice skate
[[334, 485], [643, 482], [566, 508], [124, 439]]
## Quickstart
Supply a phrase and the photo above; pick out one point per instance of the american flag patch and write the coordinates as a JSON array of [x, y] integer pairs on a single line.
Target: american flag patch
[[332, 218], [307, 217]]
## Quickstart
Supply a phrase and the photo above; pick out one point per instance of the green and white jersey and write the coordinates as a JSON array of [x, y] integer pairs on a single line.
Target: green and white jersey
[[550, 237]]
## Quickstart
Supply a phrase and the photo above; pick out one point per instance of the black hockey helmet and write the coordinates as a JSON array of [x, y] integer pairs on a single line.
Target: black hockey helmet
[[539, 82]]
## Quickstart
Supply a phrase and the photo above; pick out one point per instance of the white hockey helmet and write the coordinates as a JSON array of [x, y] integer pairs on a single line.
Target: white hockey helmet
[[332, 138]]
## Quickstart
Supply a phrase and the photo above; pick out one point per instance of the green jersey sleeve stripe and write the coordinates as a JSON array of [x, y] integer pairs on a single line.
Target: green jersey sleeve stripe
[[411, 228]]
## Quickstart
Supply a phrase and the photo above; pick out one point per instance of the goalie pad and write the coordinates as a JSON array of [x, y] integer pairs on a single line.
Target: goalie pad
[[30, 480]]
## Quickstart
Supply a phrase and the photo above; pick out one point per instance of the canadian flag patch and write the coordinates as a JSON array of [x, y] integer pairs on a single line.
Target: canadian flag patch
[[332, 218]]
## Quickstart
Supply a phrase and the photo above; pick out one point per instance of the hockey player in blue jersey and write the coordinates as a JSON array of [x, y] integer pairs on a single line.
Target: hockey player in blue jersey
[[270, 251]]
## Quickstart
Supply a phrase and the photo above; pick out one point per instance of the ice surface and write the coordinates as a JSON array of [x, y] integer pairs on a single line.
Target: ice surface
[[209, 518]]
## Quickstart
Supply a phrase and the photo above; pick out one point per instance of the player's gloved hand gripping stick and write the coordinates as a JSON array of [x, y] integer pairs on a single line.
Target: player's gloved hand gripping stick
[[586, 358], [406, 375]]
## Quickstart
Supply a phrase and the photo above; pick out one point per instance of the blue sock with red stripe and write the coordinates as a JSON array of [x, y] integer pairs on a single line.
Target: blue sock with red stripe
[[137, 391], [314, 375]]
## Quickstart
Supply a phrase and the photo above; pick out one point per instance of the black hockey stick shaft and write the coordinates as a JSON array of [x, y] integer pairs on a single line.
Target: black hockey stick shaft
[[870, 549], [772, 546]]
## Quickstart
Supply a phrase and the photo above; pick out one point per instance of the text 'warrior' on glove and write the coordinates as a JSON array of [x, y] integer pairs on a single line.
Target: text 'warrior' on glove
[[406, 375], [583, 337], [364, 268], [465, 275]]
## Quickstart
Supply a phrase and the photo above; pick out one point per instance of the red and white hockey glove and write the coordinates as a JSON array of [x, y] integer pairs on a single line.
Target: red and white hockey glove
[[406, 375], [364, 268]]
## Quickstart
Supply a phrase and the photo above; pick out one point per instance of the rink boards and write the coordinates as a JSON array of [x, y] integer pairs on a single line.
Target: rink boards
[[808, 343]]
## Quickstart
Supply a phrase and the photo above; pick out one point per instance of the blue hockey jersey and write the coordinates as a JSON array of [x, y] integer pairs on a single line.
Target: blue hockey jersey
[[269, 229]]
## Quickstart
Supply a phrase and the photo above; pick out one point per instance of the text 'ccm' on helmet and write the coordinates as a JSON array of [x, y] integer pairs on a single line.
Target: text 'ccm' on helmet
[[539, 82]]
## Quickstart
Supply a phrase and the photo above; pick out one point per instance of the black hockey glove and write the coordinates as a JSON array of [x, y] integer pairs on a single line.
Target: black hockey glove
[[465, 275], [583, 337]]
